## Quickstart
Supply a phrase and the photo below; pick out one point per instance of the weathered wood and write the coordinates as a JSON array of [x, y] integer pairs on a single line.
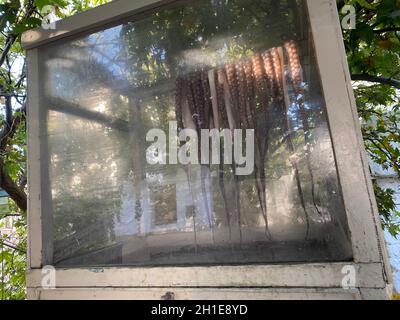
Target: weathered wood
[[106, 15], [345, 129], [193, 294], [34, 177], [283, 275]]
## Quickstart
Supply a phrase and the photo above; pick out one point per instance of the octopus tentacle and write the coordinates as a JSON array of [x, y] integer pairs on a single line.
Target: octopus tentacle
[[221, 101], [224, 124], [207, 98], [278, 66], [229, 83], [259, 78], [184, 99], [189, 95], [233, 90], [250, 103], [270, 74], [197, 89], [297, 80], [242, 86], [178, 102]]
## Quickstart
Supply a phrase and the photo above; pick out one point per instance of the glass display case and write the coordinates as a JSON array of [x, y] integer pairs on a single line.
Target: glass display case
[[198, 135]]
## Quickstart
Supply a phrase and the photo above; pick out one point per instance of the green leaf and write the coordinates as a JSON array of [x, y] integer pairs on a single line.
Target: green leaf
[[365, 4], [27, 24], [56, 3]]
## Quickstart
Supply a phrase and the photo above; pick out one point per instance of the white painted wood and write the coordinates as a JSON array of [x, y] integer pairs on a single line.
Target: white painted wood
[[107, 14], [34, 201], [345, 131], [376, 294], [193, 294], [302, 275]]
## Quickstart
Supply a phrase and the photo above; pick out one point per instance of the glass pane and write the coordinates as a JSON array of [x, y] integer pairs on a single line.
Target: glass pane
[[212, 64]]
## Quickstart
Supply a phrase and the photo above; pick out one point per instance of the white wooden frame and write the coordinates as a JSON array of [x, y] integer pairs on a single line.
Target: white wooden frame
[[317, 280]]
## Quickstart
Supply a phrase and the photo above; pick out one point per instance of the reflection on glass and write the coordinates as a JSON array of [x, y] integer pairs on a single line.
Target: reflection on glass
[[206, 65]]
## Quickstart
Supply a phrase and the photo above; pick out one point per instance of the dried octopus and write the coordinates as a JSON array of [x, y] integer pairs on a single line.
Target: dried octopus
[[292, 54], [275, 74], [181, 99], [195, 92], [202, 123], [228, 98], [260, 90]]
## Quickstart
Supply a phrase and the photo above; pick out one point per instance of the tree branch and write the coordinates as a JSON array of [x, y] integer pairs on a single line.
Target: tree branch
[[340, 4], [9, 43], [9, 112], [377, 79], [2, 216], [392, 29], [11, 126], [67, 107], [387, 153], [15, 193], [6, 182], [12, 247], [23, 181], [12, 38]]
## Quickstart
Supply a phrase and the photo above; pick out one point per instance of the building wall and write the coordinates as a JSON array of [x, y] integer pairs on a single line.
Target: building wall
[[388, 179]]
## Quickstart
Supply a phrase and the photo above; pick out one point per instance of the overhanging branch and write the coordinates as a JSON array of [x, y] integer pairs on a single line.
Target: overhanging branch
[[392, 29], [12, 246], [71, 108], [13, 190], [377, 79], [6, 182]]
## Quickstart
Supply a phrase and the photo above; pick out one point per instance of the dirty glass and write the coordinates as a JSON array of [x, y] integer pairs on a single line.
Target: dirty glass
[[237, 64]]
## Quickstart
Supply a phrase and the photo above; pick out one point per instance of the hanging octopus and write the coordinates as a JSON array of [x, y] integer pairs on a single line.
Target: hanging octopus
[[250, 107], [259, 76], [207, 98], [262, 133], [242, 86], [182, 95], [220, 77], [189, 97], [178, 102], [197, 91], [229, 97], [297, 80], [270, 74], [199, 99], [234, 90], [294, 65], [279, 72], [229, 83], [248, 101]]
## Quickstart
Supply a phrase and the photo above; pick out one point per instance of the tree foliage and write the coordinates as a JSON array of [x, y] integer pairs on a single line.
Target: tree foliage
[[373, 55], [373, 50]]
